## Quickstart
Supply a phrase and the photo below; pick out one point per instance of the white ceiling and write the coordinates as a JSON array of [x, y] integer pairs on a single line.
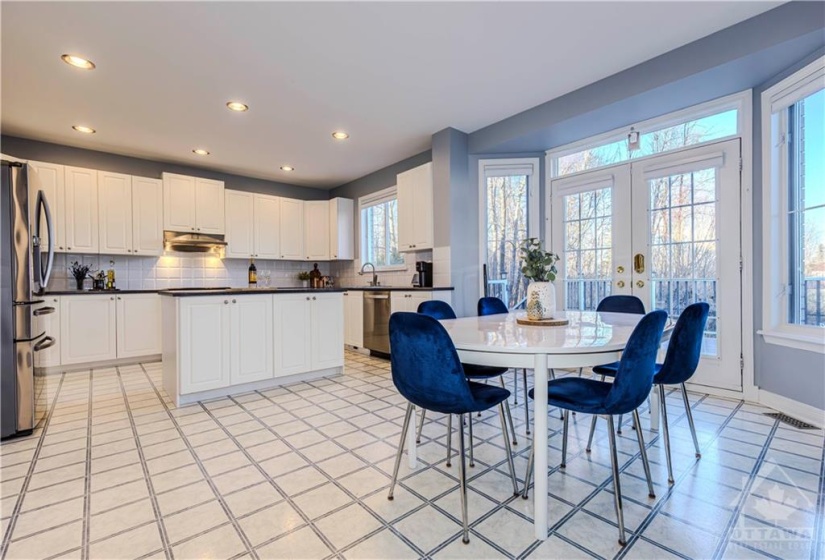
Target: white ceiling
[[390, 74]]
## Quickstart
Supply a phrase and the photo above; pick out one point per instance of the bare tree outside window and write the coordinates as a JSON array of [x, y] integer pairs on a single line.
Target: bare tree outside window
[[506, 229]]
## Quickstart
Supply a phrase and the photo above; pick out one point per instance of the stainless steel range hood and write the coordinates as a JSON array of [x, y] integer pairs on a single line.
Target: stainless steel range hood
[[193, 242]]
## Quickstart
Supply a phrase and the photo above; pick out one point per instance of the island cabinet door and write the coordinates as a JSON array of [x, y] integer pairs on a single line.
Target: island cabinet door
[[204, 343], [292, 333], [251, 350], [327, 331]]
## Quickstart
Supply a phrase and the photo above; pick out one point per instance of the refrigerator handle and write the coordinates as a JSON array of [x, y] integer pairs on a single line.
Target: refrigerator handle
[[44, 275]]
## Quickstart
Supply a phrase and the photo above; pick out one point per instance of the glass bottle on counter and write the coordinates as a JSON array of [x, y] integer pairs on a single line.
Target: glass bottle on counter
[[253, 274]]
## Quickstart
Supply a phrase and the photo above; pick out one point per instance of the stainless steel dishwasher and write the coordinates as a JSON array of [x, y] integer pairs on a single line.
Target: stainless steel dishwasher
[[377, 321]]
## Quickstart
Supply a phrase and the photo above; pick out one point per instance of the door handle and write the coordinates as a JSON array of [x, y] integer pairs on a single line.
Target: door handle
[[43, 311], [639, 263], [47, 342]]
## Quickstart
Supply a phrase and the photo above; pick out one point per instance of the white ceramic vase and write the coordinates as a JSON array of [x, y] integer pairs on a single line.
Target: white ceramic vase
[[541, 300]]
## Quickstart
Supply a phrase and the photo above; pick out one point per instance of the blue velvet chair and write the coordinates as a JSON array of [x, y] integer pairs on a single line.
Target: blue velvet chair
[[681, 361], [439, 310], [494, 306], [427, 372], [634, 380]]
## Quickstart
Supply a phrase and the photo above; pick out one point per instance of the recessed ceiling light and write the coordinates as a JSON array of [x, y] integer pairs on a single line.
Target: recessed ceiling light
[[78, 61], [200, 152], [340, 135], [287, 168], [237, 106], [84, 129]]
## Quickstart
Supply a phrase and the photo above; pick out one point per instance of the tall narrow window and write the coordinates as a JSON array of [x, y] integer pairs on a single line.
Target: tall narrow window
[[805, 146], [379, 230]]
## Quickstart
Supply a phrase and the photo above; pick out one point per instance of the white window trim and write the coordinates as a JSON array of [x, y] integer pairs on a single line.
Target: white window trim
[[493, 167], [740, 101], [774, 224], [372, 199]]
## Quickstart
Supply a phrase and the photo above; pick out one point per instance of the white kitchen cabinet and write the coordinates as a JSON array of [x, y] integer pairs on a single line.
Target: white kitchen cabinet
[[316, 230], [192, 204], [250, 351], [291, 229], [115, 213], [49, 178], [204, 345], [147, 216], [80, 211], [138, 325], [209, 209], [293, 334], [354, 318], [410, 300], [87, 329], [48, 323], [327, 318], [267, 234], [240, 224], [341, 229], [415, 208]]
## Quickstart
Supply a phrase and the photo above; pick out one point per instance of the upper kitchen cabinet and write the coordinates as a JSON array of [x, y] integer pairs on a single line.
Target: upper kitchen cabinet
[[192, 204], [147, 216], [80, 212], [415, 208], [115, 213], [50, 178], [341, 230], [267, 234], [316, 230], [291, 229], [252, 225], [130, 214]]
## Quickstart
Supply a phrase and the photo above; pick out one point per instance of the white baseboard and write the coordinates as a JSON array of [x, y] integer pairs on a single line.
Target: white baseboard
[[98, 365], [801, 411]]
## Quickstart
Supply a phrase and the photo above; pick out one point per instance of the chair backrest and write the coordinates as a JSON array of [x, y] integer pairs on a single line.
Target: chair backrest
[[685, 346], [634, 378], [491, 306], [436, 309], [425, 366], [621, 304]]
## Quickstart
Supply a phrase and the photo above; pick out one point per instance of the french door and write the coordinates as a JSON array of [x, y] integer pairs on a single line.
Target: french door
[[665, 229]]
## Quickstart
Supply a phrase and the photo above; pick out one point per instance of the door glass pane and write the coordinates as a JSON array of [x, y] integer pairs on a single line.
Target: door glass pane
[[588, 250], [684, 246], [506, 214]]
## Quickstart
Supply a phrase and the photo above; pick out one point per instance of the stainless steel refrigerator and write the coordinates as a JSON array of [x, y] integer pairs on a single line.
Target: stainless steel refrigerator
[[25, 268]]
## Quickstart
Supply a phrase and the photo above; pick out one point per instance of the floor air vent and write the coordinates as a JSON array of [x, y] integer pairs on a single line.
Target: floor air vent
[[791, 421]]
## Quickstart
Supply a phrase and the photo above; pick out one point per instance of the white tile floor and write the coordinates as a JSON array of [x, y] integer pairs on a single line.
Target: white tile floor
[[303, 471]]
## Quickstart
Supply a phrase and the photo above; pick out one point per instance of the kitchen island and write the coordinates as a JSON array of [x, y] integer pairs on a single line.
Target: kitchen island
[[225, 342]]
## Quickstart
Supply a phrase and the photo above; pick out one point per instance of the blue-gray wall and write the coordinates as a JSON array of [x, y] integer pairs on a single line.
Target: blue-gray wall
[[792, 373], [24, 148], [381, 179]]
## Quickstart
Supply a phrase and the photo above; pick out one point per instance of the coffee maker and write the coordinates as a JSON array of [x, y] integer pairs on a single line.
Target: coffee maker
[[425, 273]]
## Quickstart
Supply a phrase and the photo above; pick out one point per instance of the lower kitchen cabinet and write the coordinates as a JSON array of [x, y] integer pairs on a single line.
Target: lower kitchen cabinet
[[408, 301], [204, 344], [250, 350], [88, 329], [48, 323], [354, 318], [309, 332], [138, 325]]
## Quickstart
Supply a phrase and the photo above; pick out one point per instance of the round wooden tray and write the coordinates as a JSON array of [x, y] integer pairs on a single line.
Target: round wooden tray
[[543, 322]]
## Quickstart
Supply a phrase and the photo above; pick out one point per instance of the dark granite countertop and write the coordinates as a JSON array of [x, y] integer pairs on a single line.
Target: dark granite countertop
[[96, 292], [183, 292]]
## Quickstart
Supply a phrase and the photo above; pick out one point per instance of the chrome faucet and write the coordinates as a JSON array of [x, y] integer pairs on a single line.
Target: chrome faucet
[[374, 275]]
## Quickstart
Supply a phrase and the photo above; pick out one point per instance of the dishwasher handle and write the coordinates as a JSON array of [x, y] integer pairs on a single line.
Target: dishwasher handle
[[373, 296]]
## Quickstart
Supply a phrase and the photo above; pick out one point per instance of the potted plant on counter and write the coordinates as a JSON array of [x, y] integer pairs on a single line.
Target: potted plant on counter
[[539, 268], [303, 276], [80, 272]]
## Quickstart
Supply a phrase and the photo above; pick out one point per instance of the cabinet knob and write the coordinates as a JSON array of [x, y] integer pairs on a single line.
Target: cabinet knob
[[61, 248], [307, 298], [118, 297], [112, 298], [640, 284], [55, 300], [226, 302], [234, 301], [313, 298], [69, 248]]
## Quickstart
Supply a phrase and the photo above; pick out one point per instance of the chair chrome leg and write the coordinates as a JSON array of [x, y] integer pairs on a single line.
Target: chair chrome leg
[[643, 450], [472, 461], [420, 425], [529, 474], [509, 416], [581, 370], [592, 431], [462, 478], [565, 417], [526, 403], [400, 449], [690, 421], [515, 387], [617, 489], [450, 437], [508, 450], [619, 429], [666, 434]]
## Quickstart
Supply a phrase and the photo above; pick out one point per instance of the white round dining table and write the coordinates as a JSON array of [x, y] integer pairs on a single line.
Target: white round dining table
[[589, 339]]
